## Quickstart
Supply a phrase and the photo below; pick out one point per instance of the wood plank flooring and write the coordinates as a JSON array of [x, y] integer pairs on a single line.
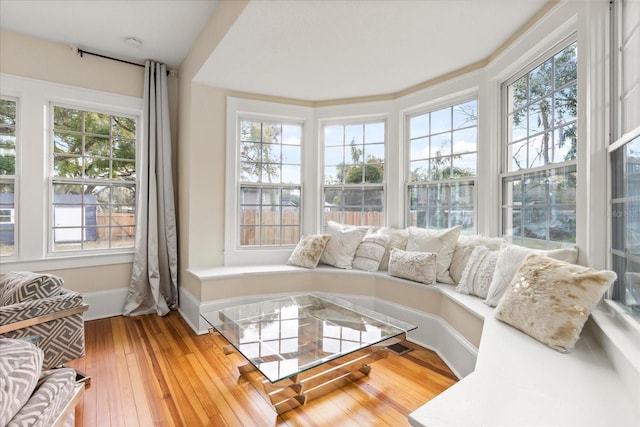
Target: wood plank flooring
[[155, 371]]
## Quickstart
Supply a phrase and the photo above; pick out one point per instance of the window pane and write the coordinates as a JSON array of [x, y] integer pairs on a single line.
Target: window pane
[[565, 66], [7, 218], [96, 154], [465, 115], [465, 141], [374, 133], [291, 154], [419, 126], [440, 120], [419, 171], [419, 148], [540, 81]]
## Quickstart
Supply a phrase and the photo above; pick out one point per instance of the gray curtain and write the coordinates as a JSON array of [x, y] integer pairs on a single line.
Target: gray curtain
[[154, 281]]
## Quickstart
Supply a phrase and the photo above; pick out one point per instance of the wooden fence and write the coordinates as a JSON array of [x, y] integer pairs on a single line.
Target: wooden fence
[[123, 226]]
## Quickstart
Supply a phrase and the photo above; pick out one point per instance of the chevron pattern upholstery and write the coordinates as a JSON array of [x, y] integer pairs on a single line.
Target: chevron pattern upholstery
[[61, 339], [53, 390], [22, 286], [32, 397], [20, 366]]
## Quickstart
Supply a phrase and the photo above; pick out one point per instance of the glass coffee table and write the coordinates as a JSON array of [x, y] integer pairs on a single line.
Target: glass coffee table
[[305, 345]]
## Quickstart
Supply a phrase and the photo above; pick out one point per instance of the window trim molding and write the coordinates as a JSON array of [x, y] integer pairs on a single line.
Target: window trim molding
[[237, 108], [35, 97]]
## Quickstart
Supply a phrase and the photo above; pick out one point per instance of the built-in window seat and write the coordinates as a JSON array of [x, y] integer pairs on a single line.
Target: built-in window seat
[[507, 377]]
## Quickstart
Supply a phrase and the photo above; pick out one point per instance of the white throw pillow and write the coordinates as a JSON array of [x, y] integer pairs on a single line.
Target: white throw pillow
[[441, 242], [396, 238], [478, 273], [309, 250], [343, 244], [465, 245], [509, 259], [551, 300], [370, 252], [417, 266]]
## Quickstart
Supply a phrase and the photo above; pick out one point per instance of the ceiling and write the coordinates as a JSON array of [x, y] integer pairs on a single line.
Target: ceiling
[[166, 28], [303, 49]]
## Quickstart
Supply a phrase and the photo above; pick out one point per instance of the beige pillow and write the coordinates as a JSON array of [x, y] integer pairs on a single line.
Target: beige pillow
[[465, 245], [551, 300], [396, 238], [478, 273], [308, 251], [342, 247], [441, 242], [509, 259], [370, 252], [417, 266]]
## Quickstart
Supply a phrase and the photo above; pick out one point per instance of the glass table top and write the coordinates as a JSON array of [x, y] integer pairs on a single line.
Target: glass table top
[[286, 336]]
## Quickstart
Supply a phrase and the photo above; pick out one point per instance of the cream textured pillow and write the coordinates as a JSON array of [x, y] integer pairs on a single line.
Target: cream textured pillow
[[308, 251], [551, 300], [478, 273], [342, 246], [417, 266], [397, 238], [509, 259], [465, 245], [441, 242], [370, 252]]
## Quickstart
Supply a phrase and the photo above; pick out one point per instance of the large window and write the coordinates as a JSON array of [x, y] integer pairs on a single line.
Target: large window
[[354, 173], [93, 198], [625, 155], [270, 183], [539, 179], [443, 146], [8, 197]]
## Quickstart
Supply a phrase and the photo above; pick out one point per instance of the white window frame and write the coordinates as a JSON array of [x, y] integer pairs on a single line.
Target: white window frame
[[505, 159], [241, 108], [53, 228], [448, 102], [35, 98]]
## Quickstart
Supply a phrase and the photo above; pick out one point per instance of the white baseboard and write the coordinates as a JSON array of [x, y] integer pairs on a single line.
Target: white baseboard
[[105, 303], [432, 332]]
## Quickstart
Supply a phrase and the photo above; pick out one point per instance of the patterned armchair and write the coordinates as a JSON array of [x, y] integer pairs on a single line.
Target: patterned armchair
[[36, 305]]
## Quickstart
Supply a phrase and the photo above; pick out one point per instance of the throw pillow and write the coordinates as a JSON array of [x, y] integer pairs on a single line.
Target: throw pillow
[[478, 273], [397, 238], [370, 252], [441, 242], [509, 259], [417, 266], [23, 286], [465, 245], [343, 244], [308, 251], [551, 300]]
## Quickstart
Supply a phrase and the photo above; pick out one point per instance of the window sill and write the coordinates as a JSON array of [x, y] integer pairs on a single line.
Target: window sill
[[58, 262]]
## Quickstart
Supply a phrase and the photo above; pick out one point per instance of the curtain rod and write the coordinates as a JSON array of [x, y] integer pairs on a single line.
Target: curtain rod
[[83, 52]]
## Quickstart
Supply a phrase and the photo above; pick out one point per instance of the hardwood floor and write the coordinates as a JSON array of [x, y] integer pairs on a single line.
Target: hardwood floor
[[152, 370]]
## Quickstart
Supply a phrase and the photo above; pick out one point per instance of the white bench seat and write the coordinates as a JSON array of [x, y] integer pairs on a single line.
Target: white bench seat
[[508, 378]]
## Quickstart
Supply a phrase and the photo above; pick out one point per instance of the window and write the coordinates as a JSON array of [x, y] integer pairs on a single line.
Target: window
[[539, 182], [93, 180], [625, 156], [8, 146], [270, 183], [354, 173], [443, 146]]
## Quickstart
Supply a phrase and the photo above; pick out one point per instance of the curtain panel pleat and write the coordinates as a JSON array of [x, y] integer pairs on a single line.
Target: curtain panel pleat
[[154, 280]]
